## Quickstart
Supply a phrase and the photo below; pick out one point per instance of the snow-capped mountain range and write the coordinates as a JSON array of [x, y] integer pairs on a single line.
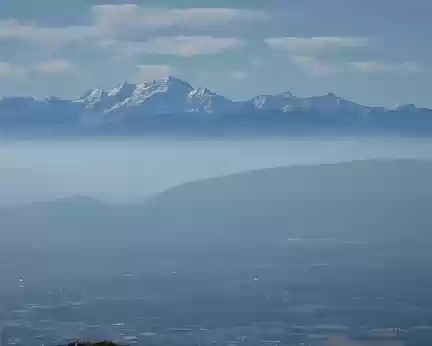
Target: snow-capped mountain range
[[171, 95], [147, 106], [166, 95]]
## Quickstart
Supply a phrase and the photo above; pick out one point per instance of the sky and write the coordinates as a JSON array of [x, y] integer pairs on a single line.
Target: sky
[[375, 52]]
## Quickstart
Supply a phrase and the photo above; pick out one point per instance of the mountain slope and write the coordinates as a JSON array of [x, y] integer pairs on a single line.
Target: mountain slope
[[364, 201]]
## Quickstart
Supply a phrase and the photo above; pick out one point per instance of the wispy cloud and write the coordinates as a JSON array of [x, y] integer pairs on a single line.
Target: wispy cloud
[[315, 45], [315, 66], [129, 15], [238, 76], [33, 33], [182, 46], [313, 54], [21, 72], [54, 67], [134, 30], [129, 23], [149, 72], [376, 67], [10, 70], [256, 61]]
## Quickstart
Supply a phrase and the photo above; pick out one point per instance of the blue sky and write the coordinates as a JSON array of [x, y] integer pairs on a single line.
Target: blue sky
[[376, 52]]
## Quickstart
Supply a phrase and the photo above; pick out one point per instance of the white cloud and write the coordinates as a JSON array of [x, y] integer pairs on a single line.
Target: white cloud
[[9, 70], [140, 29], [33, 33], [376, 67], [315, 45], [149, 72], [24, 72], [318, 67], [129, 15], [315, 66], [183, 46], [54, 67], [238, 76], [110, 21], [256, 61]]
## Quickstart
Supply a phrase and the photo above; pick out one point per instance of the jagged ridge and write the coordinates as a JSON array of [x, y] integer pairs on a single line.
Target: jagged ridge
[[127, 103]]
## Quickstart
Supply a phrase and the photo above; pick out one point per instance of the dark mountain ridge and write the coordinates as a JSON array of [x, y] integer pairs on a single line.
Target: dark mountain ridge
[[358, 201]]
